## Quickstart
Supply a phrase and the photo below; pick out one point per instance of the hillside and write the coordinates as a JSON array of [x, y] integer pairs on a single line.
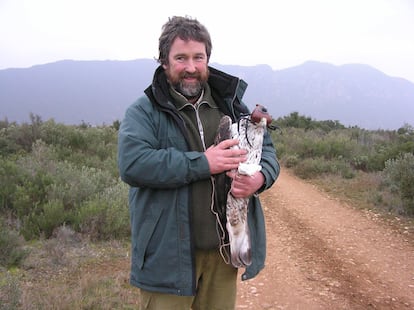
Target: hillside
[[98, 92]]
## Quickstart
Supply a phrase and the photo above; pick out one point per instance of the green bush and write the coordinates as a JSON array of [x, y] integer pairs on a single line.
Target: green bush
[[47, 191], [34, 176], [399, 176], [360, 162], [73, 185], [12, 251], [291, 161], [314, 167], [105, 216], [48, 217], [31, 192], [311, 168], [9, 178]]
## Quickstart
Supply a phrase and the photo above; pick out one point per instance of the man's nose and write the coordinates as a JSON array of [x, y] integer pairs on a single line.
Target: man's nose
[[190, 66]]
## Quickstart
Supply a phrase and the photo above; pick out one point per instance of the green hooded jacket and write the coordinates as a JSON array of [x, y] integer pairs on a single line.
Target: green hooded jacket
[[154, 159]]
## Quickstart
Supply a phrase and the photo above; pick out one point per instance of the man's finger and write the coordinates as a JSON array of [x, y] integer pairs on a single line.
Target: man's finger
[[228, 143]]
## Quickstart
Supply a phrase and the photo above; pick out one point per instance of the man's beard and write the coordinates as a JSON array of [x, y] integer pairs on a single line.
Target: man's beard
[[189, 90]]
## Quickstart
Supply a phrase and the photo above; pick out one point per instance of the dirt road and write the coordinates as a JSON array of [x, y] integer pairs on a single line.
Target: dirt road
[[323, 254]]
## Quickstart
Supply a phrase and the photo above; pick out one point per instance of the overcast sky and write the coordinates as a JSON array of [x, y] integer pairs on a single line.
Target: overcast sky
[[279, 33]]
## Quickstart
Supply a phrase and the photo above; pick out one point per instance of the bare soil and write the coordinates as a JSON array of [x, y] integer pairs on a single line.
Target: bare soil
[[325, 254]]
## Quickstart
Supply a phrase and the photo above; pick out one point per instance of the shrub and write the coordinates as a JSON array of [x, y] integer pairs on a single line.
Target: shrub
[[8, 180], [74, 185], [311, 168], [106, 215], [291, 160], [50, 216], [48, 191], [12, 251], [360, 162], [31, 192], [399, 176]]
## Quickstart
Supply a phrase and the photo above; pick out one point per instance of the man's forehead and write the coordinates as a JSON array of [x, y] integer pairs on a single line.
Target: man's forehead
[[188, 45]]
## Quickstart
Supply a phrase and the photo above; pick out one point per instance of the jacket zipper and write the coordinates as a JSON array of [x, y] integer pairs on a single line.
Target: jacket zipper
[[200, 124]]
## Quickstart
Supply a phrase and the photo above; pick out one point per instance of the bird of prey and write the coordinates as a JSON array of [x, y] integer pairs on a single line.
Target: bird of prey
[[232, 211]]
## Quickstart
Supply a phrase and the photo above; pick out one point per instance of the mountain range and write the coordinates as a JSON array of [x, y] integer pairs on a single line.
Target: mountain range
[[98, 92]]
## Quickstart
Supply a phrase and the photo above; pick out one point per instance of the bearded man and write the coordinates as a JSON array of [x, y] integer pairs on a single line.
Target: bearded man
[[166, 153]]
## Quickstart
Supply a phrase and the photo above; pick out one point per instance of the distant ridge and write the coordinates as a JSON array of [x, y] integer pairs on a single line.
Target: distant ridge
[[98, 92]]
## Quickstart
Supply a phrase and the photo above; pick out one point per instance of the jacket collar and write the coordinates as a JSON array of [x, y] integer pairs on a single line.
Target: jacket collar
[[226, 90]]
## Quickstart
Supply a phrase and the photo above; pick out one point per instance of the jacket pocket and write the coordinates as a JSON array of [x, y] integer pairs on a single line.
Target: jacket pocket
[[144, 236]]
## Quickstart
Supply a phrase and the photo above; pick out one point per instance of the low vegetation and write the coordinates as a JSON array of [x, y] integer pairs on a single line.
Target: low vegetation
[[373, 169], [63, 207]]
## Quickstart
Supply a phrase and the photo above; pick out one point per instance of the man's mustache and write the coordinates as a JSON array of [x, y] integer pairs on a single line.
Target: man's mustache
[[190, 75]]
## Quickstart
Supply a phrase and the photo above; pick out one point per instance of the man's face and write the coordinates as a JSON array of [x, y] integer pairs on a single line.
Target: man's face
[[187, 68]]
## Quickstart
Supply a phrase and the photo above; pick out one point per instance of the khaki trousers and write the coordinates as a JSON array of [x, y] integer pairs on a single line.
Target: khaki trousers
[[216, 288]]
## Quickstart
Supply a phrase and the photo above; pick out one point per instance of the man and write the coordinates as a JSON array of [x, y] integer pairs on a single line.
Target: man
[[168, 157]]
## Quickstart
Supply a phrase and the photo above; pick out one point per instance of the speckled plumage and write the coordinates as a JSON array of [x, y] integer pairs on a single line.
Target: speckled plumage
[[250, 137]]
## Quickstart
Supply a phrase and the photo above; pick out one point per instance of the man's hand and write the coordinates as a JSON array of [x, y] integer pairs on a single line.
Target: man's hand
[[221, 158], [244, 186]]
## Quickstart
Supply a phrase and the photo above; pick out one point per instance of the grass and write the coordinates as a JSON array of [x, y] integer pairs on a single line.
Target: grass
[[357, 191], [70, 273], [362, 192]]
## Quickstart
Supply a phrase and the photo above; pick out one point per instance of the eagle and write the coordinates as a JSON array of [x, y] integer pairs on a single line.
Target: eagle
[[232, 211]]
